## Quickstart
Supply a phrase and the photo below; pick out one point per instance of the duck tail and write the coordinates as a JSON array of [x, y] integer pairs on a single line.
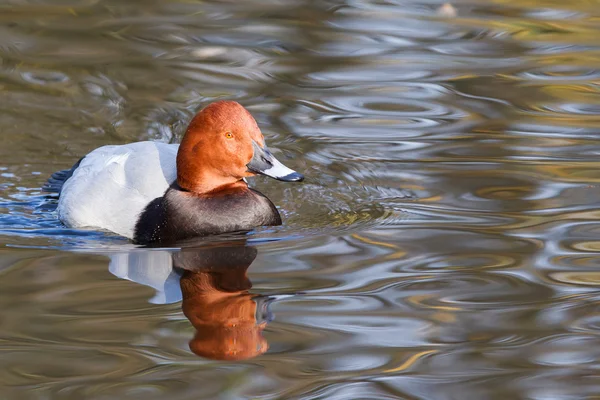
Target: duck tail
[[56, 181]]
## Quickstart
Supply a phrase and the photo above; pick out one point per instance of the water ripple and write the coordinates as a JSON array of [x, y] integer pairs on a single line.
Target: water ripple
[[444, 244]]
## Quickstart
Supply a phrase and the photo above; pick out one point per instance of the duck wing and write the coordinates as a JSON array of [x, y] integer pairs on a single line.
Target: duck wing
[[56, 181], [109, 188]]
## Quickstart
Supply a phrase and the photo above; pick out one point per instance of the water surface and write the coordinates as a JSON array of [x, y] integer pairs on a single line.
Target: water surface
[[443, 246]]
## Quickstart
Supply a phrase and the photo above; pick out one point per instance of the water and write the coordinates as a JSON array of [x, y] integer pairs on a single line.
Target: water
[[443, 246]]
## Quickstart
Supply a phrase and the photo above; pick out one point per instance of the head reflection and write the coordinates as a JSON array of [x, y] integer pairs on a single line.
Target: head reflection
[[216, 300], [214, 289]]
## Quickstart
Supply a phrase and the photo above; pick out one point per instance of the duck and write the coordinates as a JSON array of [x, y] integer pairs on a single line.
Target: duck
[[155, 193]]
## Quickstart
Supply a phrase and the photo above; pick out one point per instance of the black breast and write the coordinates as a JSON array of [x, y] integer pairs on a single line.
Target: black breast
[[180, 215]]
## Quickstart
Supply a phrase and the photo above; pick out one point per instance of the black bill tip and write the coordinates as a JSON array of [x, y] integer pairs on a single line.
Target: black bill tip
[[293, 177]]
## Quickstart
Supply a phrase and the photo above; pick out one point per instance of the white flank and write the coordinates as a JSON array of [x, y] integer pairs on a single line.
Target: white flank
[[113, 184]]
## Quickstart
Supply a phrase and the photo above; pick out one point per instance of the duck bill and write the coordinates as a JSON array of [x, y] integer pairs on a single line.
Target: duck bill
[[264, 163]]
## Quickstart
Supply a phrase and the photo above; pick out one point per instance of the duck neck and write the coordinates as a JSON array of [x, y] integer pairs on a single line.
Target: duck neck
[[208, 186]]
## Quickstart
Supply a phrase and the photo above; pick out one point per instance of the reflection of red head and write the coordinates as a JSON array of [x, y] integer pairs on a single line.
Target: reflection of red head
[[217, 303]]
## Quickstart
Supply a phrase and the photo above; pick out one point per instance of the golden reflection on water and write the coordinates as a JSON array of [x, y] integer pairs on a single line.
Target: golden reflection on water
[[444, 245]]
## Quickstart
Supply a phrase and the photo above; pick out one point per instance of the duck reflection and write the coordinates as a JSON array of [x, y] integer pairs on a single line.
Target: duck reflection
[[212, 283]]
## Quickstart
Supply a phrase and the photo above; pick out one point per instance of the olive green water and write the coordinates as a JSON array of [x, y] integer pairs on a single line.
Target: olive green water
[[445, 244]]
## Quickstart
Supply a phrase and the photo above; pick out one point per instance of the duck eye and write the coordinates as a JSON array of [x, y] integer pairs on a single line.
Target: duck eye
[[229, 135]]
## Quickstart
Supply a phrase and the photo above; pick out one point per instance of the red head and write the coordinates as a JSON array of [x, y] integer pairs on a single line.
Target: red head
[[221, 146]]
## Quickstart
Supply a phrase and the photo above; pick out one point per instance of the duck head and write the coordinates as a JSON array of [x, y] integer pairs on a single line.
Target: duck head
[[223, 145]]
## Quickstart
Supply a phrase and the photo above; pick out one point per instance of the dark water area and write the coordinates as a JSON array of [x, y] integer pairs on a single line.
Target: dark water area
[[444, 245]]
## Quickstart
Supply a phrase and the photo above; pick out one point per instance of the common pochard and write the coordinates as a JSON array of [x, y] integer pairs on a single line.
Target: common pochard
[[154, 192]]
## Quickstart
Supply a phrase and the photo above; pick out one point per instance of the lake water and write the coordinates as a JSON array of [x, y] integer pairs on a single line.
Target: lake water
[[445, 244]]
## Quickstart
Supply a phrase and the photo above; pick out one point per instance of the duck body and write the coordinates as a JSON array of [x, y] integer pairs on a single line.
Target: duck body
[[154, 192], [112, 185], [168, 219]]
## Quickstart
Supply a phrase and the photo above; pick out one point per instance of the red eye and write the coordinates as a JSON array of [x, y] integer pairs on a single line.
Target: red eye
[[229, 135]]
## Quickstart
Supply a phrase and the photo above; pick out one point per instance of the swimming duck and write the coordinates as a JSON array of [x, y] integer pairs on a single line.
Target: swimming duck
[[154, 192]]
